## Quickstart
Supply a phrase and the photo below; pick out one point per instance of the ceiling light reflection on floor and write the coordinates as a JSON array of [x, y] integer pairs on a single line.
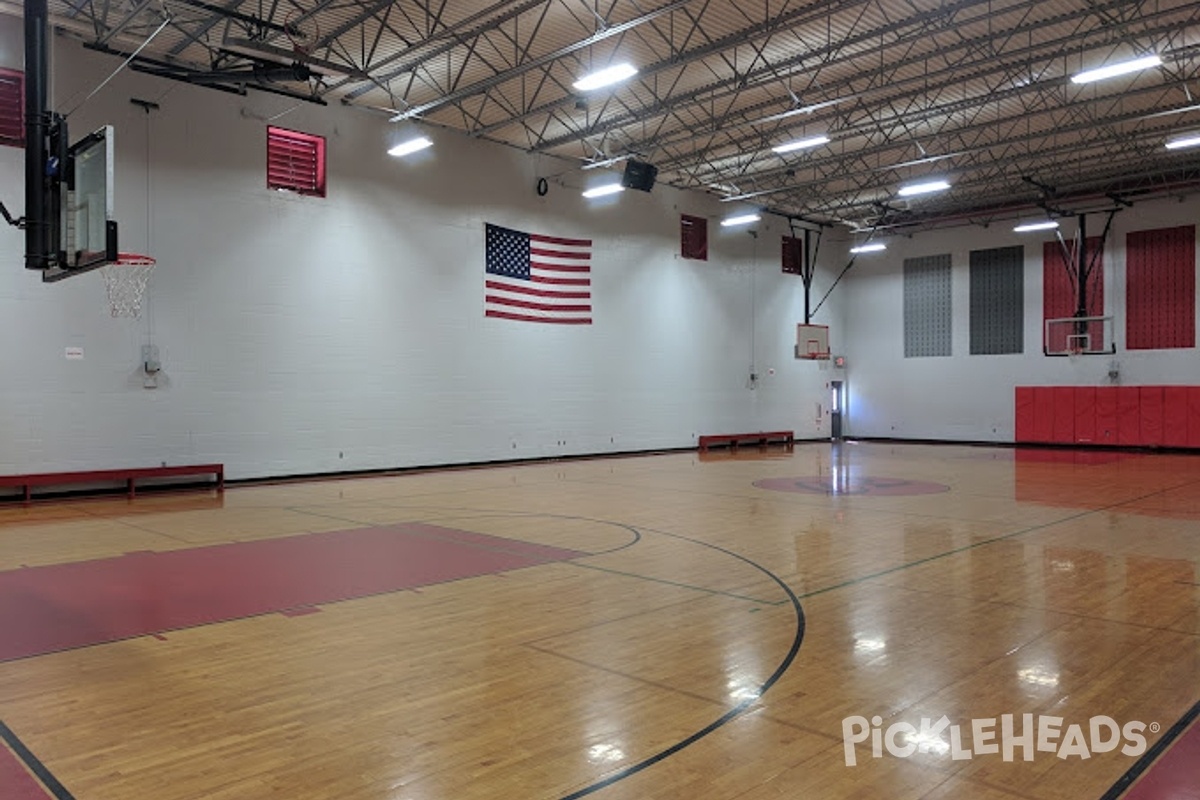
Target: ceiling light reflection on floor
[[1037, 676], [605, 753]]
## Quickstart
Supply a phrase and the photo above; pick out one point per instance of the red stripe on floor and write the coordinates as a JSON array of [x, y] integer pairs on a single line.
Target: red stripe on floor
[[64, 606], [15, 781], [1174, 776]]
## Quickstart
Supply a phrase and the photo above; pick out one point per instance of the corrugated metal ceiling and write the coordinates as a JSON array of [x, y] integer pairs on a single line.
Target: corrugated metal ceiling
[[976, 91]]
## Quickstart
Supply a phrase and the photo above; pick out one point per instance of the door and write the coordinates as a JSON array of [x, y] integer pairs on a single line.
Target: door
[[836, 406]]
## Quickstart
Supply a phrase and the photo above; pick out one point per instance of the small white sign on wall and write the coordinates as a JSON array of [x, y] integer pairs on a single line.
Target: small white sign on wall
[[74, 354]]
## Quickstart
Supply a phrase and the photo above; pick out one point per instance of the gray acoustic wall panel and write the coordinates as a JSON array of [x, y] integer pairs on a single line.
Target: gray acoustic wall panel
[[927, 314], [998, 301]]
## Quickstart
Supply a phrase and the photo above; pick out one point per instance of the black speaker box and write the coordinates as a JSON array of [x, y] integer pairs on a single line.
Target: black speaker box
[[639, 175]]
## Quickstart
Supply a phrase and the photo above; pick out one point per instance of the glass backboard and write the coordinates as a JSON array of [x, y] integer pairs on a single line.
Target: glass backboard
[[88, 207]]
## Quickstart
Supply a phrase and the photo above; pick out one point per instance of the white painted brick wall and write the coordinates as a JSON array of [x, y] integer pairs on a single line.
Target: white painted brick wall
[[965, 397], [302, 335]]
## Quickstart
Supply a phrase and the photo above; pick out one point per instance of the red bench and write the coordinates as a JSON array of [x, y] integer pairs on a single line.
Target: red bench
[[732, 440], [130, 476]]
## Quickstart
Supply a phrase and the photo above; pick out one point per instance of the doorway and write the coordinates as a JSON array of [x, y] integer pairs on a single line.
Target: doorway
[[836, 408]]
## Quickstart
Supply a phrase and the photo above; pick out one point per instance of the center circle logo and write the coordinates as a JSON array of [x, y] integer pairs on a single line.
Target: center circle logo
[[841, 484]]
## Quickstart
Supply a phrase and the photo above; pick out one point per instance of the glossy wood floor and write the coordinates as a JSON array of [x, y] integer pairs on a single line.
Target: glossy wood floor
[[1030, 585]]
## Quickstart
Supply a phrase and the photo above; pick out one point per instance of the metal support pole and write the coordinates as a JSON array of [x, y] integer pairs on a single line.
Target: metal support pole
[[807, 275], [1082, 271], [37, 128]]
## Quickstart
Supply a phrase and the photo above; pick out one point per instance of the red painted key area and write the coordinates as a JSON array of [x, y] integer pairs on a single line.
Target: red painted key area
[[64, 606], [1176, 775], [15, 781]]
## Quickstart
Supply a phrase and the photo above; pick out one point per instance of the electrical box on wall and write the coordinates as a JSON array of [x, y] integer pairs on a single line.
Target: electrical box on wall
[[150, 361], [151, 366]]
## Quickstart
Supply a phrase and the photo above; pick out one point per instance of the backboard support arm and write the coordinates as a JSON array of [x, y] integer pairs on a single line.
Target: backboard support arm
[[16, 222]]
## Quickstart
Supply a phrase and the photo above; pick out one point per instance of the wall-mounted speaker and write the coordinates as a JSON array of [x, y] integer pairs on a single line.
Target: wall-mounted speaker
[[639, 175]]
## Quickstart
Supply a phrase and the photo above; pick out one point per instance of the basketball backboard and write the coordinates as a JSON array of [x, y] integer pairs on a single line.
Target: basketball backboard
[[88, 207], [812, 342], [86, 231], [1079, 336]]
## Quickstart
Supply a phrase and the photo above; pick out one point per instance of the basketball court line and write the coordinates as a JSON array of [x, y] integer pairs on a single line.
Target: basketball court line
[[485, 514], [24, 775], [983, 542], [637, 536], [1171, 760], [126, 523], [666, 687], [666, 606], [736, 710], [665, 582]]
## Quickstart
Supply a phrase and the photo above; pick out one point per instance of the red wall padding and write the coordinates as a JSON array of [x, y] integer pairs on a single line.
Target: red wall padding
[[1024, 420], [1160, 291], [1194, 416], [1151, 413], [1134, 416], [1129, 415], [1043, 414], [1059, 295], [1106, 414], [1085, 414], [1175, 416], [1064, 414]]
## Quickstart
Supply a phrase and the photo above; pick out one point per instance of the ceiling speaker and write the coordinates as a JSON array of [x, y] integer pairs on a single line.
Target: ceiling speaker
[[639, 175]]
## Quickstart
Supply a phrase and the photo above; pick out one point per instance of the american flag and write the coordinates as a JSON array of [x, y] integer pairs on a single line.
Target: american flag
[[534, 278]]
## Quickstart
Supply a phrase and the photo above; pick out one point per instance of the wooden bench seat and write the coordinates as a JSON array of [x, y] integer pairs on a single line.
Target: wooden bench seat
[[129, 475], [732, 440]]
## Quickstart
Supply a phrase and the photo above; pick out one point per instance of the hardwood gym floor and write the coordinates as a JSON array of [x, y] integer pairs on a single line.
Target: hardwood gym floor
[[664, 626]]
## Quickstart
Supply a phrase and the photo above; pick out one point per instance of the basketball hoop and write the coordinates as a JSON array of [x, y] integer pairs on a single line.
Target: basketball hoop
[[125, 282]]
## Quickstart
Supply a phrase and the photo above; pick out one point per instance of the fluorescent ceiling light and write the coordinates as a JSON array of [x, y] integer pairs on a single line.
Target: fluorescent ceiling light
[[741, 219], [606, 189], [923, 188], [605, 77], [1188, 141], [1113, 70], [801, 144], [1048, 225], [869, 248], [805, 110], [411, 146]]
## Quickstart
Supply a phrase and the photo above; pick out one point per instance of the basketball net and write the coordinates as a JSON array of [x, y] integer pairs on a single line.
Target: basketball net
[[125, 282]]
